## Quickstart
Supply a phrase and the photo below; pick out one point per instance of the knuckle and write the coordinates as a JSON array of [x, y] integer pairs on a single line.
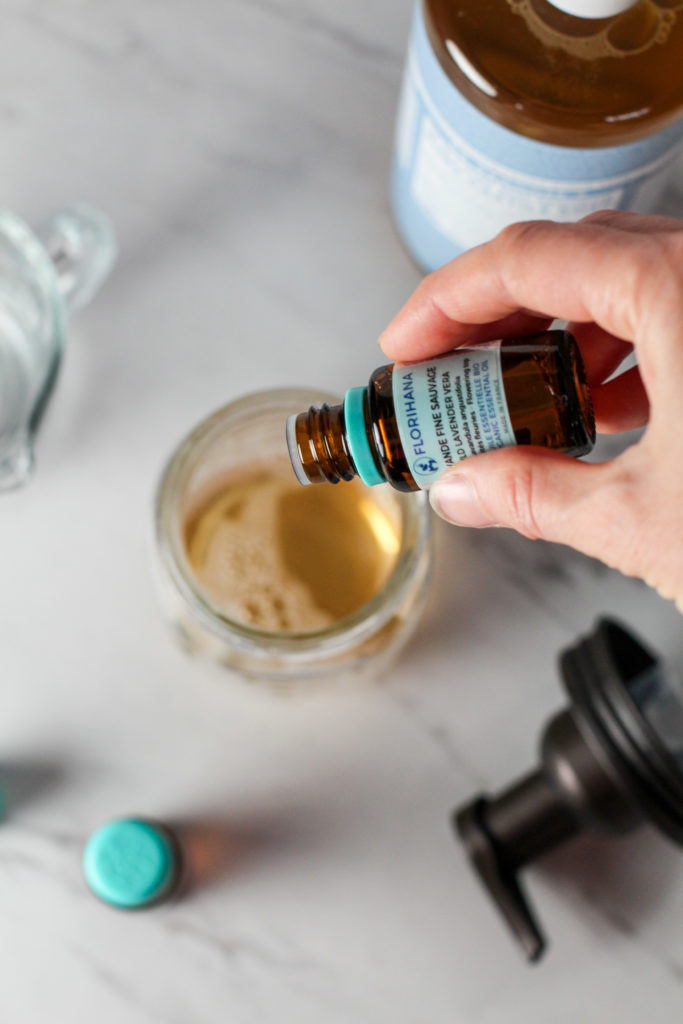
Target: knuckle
[[633, 294], [518, 235], [671, 255], [513, 247], [518, 497], [621, 511], [605, 217]]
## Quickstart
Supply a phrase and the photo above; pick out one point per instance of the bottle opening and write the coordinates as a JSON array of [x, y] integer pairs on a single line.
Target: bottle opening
[[593, 9], [293, 449]]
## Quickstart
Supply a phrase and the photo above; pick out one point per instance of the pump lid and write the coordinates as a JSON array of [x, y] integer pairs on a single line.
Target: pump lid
[[610, 761], [593, 8]]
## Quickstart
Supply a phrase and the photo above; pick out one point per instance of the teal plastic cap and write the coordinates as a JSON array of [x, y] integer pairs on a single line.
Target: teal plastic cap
[[357, 437], [131, 863]]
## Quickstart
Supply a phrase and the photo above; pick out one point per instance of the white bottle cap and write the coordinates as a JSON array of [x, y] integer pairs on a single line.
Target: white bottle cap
[[593, 8]]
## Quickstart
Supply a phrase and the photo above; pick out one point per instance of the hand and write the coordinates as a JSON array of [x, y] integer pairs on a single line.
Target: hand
[[618, 279]]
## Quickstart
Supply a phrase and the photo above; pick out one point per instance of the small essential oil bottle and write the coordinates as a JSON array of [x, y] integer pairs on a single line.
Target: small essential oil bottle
[[415, 420]]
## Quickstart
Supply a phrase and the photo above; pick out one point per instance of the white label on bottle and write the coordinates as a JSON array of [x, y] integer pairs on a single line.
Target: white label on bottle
[[466, 200], [450, 408]]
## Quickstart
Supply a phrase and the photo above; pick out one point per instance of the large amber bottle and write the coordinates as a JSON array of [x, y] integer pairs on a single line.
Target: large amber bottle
[[517, 109]]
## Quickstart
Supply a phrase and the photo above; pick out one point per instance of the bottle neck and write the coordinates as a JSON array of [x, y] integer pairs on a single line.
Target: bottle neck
[[318, 445]]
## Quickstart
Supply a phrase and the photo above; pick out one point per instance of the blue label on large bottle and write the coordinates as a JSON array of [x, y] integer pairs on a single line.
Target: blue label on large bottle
[[459, 178], [450, 408]]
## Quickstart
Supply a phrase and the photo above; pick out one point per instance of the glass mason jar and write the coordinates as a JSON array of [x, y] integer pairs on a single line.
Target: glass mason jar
[[233, 440]]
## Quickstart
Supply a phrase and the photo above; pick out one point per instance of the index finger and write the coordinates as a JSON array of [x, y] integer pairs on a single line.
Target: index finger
[[583, 272]]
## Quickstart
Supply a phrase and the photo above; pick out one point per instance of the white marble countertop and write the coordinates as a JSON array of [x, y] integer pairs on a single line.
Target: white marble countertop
[[242, 148]]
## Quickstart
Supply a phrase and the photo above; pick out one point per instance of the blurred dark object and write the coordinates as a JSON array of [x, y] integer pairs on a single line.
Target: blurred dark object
[[610, 761]]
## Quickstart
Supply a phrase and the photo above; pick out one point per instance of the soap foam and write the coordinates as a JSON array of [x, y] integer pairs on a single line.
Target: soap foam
[[236, 553]]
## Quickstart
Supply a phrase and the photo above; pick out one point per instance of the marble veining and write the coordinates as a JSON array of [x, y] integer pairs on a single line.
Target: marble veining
[[242, 149]]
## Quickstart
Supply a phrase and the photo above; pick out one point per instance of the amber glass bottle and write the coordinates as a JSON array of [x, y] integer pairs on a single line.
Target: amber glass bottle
[[562, 79], [415, 420], [525, 109]]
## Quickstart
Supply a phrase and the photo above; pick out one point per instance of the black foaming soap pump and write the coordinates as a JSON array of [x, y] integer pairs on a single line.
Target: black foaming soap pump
[[610, 761]]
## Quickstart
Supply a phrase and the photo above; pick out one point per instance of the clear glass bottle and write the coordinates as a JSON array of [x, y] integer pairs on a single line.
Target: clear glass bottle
[[413, 421], [522, 109]]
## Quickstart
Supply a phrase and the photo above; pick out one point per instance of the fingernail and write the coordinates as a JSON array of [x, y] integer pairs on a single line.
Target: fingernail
[[454, 498]]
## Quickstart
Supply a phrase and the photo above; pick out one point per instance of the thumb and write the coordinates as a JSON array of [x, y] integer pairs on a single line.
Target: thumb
[[540, 494]]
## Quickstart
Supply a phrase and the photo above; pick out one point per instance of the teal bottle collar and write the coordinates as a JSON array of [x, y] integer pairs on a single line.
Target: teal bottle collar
[[357, 437]]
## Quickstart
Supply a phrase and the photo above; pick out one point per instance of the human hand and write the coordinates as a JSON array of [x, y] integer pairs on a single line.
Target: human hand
[[618, 278]]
